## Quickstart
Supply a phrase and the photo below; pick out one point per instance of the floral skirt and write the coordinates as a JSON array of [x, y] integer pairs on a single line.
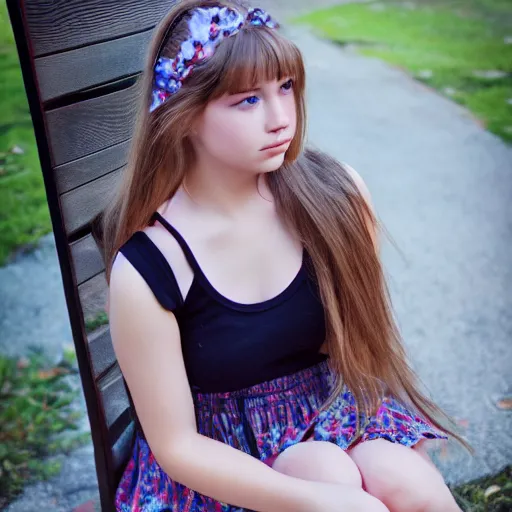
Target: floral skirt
[[264, 420]]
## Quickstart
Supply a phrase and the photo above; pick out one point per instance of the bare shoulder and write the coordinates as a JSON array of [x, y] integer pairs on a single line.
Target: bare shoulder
[[127, 288], [365, 193], [360, 183], [125, 277]]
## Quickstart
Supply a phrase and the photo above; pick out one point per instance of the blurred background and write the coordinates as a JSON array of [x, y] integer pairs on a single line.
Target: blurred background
[[415, 95]]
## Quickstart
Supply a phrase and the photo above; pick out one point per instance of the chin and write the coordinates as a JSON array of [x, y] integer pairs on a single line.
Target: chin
[[272, 164]]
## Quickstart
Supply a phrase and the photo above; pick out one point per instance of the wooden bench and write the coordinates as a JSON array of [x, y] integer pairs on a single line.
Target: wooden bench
[[80, 61]]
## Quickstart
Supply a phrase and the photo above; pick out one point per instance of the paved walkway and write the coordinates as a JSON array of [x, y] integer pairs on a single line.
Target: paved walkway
[[442, 187]]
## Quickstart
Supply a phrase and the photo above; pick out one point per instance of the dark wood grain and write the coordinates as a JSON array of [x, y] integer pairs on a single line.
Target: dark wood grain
[[122, 448], [93, 295], [88, 168], [59, 25], [113, 395], [80, 205], [83, 68], [86, 258], [101, 350], [81, 129], [77, 57]]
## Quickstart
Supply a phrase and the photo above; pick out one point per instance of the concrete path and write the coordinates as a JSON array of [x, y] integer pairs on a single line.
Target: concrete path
[[33, 308], [442, 187]]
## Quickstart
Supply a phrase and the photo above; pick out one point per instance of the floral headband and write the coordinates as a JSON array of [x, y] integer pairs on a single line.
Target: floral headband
[[208, 27]]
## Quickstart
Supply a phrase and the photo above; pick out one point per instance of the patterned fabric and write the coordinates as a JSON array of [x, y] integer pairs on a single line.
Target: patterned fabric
[[208, 27], [264, 420]]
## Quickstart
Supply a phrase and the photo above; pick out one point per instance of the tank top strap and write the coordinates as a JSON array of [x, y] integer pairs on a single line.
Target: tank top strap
[[151, 264], [181, 241]]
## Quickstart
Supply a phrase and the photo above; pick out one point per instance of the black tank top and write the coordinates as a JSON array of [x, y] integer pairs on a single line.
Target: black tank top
[[226, 345]]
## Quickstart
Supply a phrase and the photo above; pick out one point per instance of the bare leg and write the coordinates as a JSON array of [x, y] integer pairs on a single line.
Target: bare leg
[[402, 478], [321, 461]]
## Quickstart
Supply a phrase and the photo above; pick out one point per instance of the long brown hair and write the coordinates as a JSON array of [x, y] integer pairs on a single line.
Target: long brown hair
[[314, 194]]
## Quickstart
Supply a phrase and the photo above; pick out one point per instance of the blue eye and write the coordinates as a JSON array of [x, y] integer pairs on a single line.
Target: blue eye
[[251, 100]]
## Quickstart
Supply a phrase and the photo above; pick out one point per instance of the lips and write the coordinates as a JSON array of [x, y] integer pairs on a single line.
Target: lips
[[276, 145]]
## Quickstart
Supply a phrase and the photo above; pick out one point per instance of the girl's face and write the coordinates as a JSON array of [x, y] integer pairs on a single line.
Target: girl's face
[[249, 130]]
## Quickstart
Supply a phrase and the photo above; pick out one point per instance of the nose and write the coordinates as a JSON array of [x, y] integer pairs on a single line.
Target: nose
[[278, 117]]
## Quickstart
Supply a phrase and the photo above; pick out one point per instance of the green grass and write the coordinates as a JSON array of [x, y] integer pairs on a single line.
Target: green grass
[[490, 494], [91, 324], [449, 39], [39, 420], [24, 215]]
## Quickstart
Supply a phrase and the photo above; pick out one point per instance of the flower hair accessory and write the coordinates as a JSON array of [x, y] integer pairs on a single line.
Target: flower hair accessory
[[208, 27]]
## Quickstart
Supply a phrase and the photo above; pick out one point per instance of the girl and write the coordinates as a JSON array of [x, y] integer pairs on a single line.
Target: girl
[[248, 309]]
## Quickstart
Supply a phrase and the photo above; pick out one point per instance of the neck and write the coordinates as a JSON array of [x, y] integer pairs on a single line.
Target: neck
[[225, 191]]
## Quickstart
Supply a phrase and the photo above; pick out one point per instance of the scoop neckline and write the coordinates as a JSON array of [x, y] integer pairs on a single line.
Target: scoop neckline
[[282, 296], [201, 278]]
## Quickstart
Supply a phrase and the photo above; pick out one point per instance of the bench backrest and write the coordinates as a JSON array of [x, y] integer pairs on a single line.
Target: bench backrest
[[80, 60]]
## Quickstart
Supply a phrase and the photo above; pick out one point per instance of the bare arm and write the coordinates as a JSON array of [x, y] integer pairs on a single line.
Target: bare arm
[[147, 344]]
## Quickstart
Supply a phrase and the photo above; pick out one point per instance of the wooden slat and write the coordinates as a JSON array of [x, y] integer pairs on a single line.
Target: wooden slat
[[93, 296], [90, 167], [81, 69], [59, 25], [101, 350], [114, 397], [87, 259], [92, 125], [81, 204], [87, 149], [120, 425], [122, 449]]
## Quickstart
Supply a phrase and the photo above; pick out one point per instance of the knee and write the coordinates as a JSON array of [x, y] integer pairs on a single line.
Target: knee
[[319, 461], [402, 479], [414, 496]]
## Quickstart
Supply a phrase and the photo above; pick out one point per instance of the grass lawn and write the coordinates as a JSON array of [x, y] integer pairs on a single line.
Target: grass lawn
[[463, 48], [24, 215]]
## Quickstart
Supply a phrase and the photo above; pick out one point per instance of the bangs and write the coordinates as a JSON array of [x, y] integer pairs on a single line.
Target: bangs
[[257, 55]]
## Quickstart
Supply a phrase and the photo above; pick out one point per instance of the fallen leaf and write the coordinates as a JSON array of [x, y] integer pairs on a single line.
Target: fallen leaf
[[493, 489], [48, 374], [505, 404]]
